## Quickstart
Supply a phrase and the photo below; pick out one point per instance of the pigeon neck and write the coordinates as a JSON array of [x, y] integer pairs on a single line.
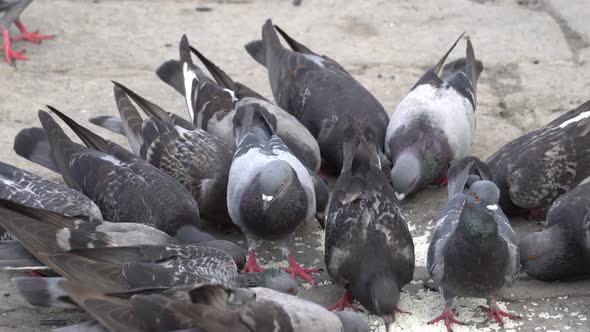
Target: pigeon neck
[[476, 222]]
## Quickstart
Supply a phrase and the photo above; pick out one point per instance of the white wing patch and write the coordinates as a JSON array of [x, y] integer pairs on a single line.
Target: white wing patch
[[582, 116], [110, 159], [189, 76]]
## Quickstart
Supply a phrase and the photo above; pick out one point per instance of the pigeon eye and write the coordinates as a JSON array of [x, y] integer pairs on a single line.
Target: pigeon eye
[[476, 197], [290, 290], [532, 257]]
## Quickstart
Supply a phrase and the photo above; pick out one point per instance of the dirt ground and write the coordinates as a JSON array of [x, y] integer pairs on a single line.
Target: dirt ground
[[536, 55]]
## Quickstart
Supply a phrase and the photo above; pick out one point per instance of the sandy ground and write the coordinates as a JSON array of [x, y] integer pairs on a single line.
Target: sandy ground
[[535, 53]]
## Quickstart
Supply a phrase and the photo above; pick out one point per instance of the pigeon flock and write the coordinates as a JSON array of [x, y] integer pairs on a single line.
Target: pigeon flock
[[123, 238]]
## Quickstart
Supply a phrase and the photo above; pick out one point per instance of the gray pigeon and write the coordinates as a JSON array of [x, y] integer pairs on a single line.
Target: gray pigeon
[[473, 251], [369, 248], [270, 192], [198, 160], [535, 169], [212, 105], [317, 91], [434, 124], [12, 10], [50, 232], [211, 308], [125, 187], [561, 251], [20, 186]]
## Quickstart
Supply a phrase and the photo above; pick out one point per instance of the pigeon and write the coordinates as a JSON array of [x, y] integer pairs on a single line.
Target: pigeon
[[561, 251], [125, 187], [434, 125], [12, 10], [368, 247], [52, 232], [23, 187], [211, 308], [322, 193], [533, 170], [270, 192], [317, 91], [212, 105], [473, 252], [198, 160]]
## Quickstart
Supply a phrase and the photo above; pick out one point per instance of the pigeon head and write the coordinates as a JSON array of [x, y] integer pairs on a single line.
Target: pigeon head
[[405, 174], [477, 219], [484, 193], [352, 321], [275, 202], [275, 179], [280, 281], [547, 255], [379, 294]]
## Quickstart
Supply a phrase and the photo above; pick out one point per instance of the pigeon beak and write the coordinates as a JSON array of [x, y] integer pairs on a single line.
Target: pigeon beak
[[400, 196], [492, 207], [266, 201]]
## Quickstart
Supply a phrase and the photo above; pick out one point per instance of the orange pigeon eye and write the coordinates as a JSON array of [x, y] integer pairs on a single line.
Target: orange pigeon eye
[[476, 197], [291, 290], [532, 257]]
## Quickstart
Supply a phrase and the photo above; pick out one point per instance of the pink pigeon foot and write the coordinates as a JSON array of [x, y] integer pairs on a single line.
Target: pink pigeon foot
[[33, 37], [251, 265], [297, 270], [344, 302]]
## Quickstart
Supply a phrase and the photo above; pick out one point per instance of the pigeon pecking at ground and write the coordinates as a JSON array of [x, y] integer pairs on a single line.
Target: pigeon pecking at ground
[[317, 91], [472, 252], [270, 192], [535, 169], [561, 251], [369, 248], [12, 10], [125, 187], [434, 124]]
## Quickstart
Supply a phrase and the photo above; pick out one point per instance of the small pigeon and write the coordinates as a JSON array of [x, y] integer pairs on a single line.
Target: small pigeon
[[212, 105], [20, 186], [198, 160], [535, 169], [125, 187], [12, 10], [473, 252], [561, 251], [369, 248], [270, 192], [50, 232], [317, 91], [434, 124], [211, 308]]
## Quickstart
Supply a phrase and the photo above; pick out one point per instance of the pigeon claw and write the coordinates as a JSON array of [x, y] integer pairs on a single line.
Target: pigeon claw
[[251, 265], [344, 302], [448, 317], [297, 270], [9, 53], [33, 37], [534, 213], [495, 313]]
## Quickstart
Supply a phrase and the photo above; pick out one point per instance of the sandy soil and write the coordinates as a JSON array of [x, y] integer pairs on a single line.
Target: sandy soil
[[535, 54]]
